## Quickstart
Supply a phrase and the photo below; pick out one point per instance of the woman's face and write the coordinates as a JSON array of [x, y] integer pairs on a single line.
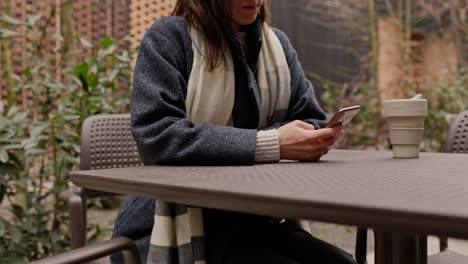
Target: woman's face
[[245, 12]]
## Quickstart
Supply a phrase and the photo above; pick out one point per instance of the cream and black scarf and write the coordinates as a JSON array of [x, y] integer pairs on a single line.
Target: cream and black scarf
[[178, 235]]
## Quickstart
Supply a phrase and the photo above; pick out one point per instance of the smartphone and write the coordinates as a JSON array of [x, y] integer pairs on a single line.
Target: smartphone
[[343, 116]]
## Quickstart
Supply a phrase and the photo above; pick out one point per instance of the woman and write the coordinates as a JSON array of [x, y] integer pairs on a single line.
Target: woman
[[215, 85]]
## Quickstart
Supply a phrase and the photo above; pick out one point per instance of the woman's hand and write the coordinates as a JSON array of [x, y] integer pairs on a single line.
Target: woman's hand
[[301, 141]]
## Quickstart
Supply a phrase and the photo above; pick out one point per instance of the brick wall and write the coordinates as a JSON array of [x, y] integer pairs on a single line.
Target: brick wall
[[94, 20], [143, 13], [22, 10]]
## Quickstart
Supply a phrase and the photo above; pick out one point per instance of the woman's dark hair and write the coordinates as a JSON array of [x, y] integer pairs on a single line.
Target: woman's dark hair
[[213, 19]]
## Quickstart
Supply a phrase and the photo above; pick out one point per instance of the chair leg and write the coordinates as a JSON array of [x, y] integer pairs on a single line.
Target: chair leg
[[361, 245], [443, 243], [422, 247], [77, 210]]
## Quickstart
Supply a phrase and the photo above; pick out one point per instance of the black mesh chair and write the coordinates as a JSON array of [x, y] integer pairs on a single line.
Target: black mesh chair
[[106, 142], [456, 142], [457, 138]]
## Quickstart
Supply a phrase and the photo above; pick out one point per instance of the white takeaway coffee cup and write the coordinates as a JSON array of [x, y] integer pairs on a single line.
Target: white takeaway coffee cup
[[405, 118]]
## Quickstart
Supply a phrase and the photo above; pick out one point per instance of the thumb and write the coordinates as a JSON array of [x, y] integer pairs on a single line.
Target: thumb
[[304, 125]]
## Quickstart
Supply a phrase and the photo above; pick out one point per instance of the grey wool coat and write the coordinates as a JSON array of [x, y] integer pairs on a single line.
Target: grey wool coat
[[165, 135]]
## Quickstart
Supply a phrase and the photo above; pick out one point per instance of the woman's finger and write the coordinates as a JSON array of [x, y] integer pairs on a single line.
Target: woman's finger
[[304, 125], [322, 134], [322, 144]]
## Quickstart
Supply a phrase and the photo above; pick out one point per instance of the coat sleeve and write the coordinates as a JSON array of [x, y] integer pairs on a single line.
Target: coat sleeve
[[303, 104], [163, 133]]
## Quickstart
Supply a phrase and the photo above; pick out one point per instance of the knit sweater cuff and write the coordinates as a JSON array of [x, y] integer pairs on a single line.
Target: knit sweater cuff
[[267, 149]]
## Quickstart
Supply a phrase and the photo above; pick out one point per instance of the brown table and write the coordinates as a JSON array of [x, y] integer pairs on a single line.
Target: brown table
[[402, 199]]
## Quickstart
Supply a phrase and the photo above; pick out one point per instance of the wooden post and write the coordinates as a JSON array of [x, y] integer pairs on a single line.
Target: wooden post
[[6, 55], [390, 64]]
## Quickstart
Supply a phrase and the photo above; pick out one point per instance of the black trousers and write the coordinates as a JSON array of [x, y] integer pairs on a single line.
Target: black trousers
[[272, 244]]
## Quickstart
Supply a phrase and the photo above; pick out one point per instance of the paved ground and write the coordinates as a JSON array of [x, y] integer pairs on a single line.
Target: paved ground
[[342, 236]]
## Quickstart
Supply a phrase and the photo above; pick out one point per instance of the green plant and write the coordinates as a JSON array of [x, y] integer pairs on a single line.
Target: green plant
[[368, 128], [10, 127], [444, 99], [39, 138]]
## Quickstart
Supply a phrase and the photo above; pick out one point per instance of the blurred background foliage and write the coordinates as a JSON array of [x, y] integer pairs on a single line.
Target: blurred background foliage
[[40, 139], [46, 103], [366, 51]]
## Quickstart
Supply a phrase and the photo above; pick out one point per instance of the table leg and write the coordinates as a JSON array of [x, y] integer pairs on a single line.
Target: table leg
[[383, 247], [394, 248], [422, 249]]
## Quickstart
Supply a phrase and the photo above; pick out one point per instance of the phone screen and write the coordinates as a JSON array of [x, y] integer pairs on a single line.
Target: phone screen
[[343, 116]]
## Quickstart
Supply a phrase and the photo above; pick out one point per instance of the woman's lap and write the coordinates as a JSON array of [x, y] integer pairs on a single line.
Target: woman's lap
[[283, 245], [304, 248]]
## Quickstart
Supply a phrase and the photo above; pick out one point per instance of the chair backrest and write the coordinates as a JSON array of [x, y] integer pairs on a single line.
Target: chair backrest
[[457, 137], [107, 142]]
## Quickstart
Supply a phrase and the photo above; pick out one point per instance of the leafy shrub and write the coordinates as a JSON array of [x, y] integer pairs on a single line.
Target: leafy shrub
[[39, 144], [367, 130], [445, 99]]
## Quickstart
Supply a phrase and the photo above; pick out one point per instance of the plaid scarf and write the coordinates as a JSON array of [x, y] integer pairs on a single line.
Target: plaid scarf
[[178, 233]]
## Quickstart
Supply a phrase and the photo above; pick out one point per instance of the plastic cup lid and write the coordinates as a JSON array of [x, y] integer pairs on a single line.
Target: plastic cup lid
[[405, 107], [405, 103]]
